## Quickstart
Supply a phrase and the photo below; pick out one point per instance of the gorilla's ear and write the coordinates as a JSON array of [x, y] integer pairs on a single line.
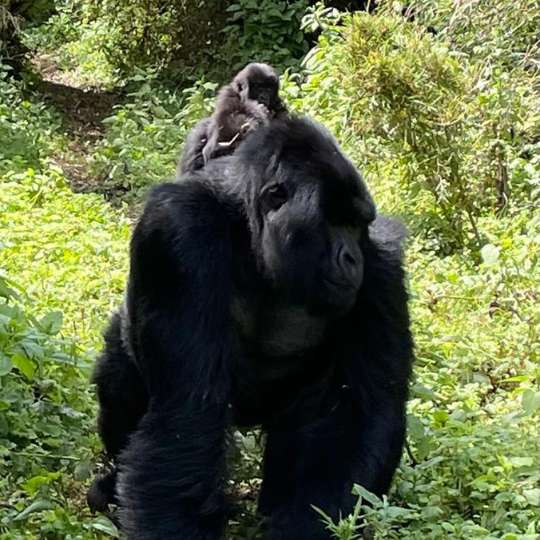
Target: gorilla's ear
[[365, 204], [367, 209]]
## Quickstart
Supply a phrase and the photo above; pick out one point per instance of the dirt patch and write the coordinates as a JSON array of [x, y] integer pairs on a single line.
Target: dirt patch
[[82, 110]]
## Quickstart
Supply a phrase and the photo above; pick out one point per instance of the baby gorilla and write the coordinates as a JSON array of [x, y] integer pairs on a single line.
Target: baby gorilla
[[249, 101]]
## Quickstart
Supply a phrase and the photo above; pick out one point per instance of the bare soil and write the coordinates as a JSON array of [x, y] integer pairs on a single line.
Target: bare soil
[[82, 110]]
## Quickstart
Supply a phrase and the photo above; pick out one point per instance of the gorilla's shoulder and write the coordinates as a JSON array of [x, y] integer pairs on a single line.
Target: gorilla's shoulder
[[292, 132], [389, 234], [202, 187], [191, 200]]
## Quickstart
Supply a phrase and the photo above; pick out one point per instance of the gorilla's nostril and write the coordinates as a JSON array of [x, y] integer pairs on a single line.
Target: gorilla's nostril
[[349, 259], [345, 258]]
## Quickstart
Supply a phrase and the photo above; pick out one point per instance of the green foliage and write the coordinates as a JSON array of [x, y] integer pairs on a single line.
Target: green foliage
[[57, 30], [406, 106], [153, 33], [39, 404], [26, 127], [13, 16], [501, 33], [102, 43], [265, 31], [450, 129], [75, 41], [145, 134], [68, 254], [32, 12], [411, 94], [47, 438]]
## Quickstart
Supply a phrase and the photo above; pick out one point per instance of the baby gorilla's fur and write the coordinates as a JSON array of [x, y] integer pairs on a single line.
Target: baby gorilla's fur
[[251, 100]]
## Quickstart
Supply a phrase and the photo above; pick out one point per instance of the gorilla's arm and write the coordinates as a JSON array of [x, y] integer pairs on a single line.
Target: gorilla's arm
[[171, 474], [192, 157], [377, 351], [361, 438]]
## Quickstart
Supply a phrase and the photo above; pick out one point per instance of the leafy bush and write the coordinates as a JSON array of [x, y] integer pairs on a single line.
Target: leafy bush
[[26, 126], [68, 254], [41, 403], [265, 31], [58, 29], [145, 136], [13, 16], [77, 246], [505, 33], [151, 33], [448, 128], [103, 43]]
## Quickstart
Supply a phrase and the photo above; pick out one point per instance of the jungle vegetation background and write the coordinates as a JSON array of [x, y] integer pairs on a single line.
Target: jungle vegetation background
[[437, 103]]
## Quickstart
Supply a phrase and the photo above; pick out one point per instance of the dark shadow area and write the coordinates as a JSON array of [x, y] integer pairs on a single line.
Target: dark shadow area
[[82, 111]]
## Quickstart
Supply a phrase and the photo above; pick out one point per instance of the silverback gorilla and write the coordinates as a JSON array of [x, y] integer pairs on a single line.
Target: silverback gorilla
[[262, 291]]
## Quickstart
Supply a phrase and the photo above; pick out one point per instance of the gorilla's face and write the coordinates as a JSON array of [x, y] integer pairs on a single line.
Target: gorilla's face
[[258, 82], [308, 250], [313, 211]]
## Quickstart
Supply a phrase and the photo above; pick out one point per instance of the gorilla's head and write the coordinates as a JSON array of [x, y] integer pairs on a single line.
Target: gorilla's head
[[257, 82], [309, 211]]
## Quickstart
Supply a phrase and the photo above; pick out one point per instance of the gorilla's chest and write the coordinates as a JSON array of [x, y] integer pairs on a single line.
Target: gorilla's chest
[[277, 331], [277, 361]]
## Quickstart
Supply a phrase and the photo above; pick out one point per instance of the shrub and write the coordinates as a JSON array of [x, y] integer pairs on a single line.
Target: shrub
[[145, 136], [13, 16], [409, 105], [26, 126], [265, 31], [154, 33]]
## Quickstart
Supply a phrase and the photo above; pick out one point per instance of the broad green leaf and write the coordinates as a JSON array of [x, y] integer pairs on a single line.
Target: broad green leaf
[[366, 495], [52, 322], [26, 366], [37, 506], [530, 401], [32, 485], [5, 364], [415, 427], [82, 471], [105, 525], [421, 391], [532, 496]]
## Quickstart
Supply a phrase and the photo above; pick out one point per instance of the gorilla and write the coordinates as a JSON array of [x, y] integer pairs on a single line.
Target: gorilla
[[249, 101], [263, 290]]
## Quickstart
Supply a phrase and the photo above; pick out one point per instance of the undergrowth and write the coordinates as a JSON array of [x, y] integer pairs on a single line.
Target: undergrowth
[[445, 127]]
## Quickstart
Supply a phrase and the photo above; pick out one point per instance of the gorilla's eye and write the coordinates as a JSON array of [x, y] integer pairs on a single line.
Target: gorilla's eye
[[274, 196]]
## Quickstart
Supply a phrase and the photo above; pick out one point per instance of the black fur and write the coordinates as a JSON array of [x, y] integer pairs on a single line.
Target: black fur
[[261, 291], [248, 102]]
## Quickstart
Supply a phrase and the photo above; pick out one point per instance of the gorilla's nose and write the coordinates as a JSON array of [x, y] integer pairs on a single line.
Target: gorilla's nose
[[264, 98], [347, 264]]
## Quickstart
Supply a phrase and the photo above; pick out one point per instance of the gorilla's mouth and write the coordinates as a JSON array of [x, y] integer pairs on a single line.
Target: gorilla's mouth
[[344, 286], [339, 293]]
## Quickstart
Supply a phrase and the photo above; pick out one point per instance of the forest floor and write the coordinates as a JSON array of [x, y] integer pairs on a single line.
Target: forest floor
[[82, 109]]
